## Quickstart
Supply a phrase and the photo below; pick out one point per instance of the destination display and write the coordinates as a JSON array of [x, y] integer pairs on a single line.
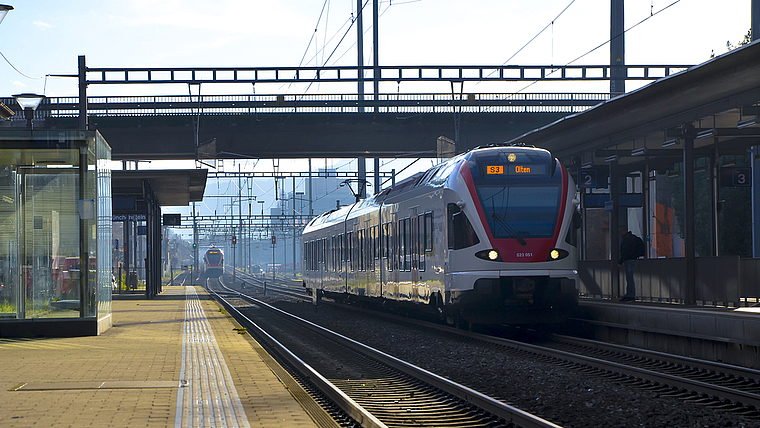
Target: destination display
[[517, 169]]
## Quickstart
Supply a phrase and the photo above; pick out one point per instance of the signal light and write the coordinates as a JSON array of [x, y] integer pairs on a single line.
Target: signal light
[[274, 240], [234, 239]]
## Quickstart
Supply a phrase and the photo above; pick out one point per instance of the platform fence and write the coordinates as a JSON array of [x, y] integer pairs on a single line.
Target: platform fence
[[729, 281]]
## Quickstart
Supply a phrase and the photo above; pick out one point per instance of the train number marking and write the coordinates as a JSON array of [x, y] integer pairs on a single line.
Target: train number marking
[[524, 255]]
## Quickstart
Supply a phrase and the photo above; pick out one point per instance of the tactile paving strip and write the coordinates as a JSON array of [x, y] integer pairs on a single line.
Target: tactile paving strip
[[208, 396]]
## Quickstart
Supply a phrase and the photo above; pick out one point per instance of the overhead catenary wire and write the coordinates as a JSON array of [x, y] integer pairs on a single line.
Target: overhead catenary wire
[[652, 15]]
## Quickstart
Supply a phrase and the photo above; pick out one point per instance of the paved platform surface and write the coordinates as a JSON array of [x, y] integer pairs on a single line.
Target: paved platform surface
[[131, 375]]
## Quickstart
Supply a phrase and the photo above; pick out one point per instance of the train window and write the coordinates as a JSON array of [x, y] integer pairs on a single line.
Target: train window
[[460, 233], [429, 232], [415, 242], [421, 242], [338, 249], [387, 253], [362, 250], [405, 245], [332, 252], [349, 251]]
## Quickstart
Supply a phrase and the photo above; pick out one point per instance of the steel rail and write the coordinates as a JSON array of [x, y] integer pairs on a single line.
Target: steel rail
[[346, 403], [494, 407], [746, 398]]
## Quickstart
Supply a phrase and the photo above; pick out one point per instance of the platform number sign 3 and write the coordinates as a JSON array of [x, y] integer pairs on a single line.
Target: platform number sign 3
[[742, 177]]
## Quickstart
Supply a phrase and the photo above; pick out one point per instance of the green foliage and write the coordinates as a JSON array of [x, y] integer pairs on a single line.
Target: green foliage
[[745, 41]]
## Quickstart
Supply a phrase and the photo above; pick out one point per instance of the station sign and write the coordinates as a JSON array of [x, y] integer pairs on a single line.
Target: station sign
[[172, 220], [593, 178], [736, 177], [132, 217]]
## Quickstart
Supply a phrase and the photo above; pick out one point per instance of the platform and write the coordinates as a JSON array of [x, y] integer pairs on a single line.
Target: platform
[[175, 360], [730, 335]]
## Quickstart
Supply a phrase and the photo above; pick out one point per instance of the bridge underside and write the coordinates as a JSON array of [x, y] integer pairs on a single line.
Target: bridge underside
[[303, 135]]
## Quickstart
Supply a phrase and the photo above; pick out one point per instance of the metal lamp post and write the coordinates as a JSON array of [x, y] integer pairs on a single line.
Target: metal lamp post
[[28, 102], [4, 9]]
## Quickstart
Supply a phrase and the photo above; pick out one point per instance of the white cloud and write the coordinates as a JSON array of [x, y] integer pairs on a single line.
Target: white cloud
[[42, 24], [18, 84]]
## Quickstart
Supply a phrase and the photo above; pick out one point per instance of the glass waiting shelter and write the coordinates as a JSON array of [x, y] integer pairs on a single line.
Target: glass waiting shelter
[[55, 233]]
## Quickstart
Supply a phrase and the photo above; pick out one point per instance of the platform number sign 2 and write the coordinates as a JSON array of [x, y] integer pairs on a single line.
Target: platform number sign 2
[[588, 178]]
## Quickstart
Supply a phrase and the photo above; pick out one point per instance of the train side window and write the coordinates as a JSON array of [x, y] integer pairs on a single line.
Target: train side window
[[414, 242], [421, 242], [376, 235], [460, 233], [340, 252], [429, 232], [332, 252], [395, 242], [362, 248], [349, 249]]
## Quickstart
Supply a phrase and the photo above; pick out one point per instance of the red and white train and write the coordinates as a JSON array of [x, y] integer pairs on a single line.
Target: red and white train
[[213, 263], [487, 237]]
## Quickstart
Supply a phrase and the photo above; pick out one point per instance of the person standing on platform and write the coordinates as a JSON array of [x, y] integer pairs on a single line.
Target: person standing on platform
[[631, 248]]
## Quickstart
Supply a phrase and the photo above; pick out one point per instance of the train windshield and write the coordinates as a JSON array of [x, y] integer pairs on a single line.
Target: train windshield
[[214, 257], [519, 195]]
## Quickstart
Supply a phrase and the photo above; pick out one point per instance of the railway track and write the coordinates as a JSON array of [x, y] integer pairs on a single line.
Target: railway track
[[712, 384], [374, 388]]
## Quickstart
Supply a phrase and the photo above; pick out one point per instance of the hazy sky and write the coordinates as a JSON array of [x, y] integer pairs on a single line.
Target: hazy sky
[[43, 37]]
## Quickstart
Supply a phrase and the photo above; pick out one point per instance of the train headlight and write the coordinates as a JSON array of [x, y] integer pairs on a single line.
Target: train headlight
[[556, 254], [490, 255]]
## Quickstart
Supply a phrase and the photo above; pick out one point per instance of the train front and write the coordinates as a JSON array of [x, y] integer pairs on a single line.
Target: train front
[[214, 261], [513, 255]]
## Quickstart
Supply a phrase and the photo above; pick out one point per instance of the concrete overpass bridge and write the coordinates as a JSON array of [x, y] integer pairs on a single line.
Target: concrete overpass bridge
[[279, 125]]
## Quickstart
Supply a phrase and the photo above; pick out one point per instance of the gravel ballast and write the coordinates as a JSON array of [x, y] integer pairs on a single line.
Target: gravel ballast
[[566, 397]]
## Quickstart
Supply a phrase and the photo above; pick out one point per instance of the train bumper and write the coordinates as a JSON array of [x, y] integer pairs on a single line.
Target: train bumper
[[527, 297]]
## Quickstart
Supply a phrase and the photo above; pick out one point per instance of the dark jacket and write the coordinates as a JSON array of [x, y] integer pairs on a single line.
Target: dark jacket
[[628, 247]]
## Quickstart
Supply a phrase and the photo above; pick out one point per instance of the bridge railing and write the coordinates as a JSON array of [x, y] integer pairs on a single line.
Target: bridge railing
[[419, 103]]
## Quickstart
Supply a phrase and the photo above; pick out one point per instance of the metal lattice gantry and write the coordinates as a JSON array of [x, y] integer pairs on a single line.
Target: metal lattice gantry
[[471, 73]]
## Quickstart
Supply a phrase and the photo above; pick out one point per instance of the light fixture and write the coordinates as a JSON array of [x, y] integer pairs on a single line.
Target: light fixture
[[587, 165], [669, 143], [4, 9], [612, 158], [746, 123], [29, 103], [641, 151], [705, 133]]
